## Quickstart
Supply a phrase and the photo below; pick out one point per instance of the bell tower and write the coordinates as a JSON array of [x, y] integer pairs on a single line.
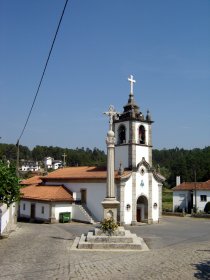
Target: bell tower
[[133, 134]]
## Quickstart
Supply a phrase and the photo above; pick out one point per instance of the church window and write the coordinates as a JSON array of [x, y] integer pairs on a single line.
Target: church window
[[142, 136], [24, 206], [42, 209], [121, 135], [142, 171]]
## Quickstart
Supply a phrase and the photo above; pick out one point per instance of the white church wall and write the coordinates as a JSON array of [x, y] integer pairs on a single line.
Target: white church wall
[[128, 200], [78, 214], [142, 151], [121, 156], [155, 200], [95, 194], [142, 184], [76, 195]]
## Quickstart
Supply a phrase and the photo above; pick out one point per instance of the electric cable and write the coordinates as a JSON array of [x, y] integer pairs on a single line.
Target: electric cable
[[43, 73]]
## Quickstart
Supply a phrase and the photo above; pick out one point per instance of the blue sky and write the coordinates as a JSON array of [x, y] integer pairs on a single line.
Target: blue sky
[[165, 44]]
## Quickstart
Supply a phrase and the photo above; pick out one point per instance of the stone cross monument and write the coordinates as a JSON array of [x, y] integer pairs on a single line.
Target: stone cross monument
[[110, 203]]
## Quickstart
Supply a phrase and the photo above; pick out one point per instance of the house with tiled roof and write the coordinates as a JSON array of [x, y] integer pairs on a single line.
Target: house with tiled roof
[[45, 203], [191, 195], [138, 187], [35, 180]]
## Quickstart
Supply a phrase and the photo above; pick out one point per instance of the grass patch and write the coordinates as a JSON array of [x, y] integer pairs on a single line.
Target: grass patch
[[167, 199]]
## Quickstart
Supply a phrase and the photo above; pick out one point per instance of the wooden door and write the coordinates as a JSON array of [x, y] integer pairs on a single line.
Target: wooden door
[[138, 215], [33, 211], [83, 196]]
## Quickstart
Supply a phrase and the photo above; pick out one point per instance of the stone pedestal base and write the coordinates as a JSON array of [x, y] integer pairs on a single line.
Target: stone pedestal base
[[121, 239], [110, 205]]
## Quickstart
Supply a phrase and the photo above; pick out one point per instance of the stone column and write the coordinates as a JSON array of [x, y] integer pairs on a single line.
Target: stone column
[[110, 204], [110, 165]]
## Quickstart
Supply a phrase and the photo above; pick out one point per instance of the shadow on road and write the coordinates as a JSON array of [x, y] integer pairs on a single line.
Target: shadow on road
[[203, 270], [57, 237]]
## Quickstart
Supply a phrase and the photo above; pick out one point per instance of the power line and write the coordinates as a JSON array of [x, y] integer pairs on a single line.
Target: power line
[[43, 73]]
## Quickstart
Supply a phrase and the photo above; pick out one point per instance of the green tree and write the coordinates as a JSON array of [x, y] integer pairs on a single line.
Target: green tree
[[9, 187]]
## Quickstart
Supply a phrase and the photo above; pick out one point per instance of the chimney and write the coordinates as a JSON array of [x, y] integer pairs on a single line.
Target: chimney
[[178, 180]]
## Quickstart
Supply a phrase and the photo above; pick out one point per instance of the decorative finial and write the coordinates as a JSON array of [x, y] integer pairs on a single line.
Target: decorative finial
[[132, 81], [148, 116], [111, 113]]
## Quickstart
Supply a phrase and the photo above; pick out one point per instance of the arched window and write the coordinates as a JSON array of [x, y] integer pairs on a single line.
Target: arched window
[[121, 135], [142, 135]]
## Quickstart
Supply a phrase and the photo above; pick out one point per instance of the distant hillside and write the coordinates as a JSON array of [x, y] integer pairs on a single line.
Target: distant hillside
[[171, 162], [181, 162], [78, 156]]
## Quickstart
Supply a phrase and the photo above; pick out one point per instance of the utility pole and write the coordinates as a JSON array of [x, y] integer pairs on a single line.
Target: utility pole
[[64, 159], [195, 191], [17, 160]]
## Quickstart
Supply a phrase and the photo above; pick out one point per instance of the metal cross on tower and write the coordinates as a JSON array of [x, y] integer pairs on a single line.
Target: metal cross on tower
[[132, 81]]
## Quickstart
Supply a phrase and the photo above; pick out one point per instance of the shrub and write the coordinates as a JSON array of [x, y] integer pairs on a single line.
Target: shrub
[[108, 226], [178, 209], [207, 208]]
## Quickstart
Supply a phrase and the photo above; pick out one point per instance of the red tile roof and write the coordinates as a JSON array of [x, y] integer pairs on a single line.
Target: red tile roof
[[80, 172], [48, 193], [35, 180], [192, 185]]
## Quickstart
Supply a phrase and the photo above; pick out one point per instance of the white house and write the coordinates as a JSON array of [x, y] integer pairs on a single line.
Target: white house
[[49, 162], [48, 203], [30, 166], [44, 203], [138, 186], [189, 195], [57, 164]]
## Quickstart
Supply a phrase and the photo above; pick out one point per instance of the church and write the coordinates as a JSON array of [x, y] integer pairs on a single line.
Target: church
[[81, 190]]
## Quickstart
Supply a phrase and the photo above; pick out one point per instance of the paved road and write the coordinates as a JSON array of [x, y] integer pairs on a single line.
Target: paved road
[[179, 249]]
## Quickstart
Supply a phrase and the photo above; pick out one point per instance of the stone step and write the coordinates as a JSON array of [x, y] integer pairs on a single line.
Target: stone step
[[109, 239], [107, 246], [121, 240]]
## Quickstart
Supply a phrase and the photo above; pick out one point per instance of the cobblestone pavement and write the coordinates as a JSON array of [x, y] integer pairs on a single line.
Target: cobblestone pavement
[[41, 251]]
